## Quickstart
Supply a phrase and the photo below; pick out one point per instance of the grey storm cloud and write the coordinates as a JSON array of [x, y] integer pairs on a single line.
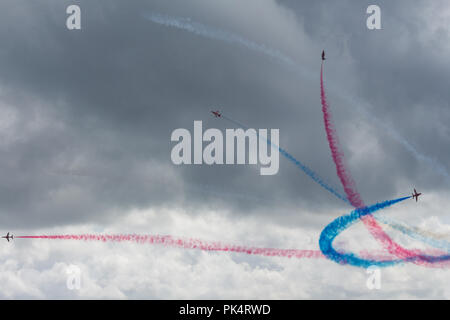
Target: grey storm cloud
[[88, 114], [86, 118]]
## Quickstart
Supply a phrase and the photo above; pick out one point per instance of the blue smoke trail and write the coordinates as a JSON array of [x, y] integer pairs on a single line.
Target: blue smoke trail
[[309, 172], [413, 233], [216, 34], [331, 231]]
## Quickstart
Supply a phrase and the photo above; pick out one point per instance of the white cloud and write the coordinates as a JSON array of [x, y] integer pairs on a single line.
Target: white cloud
[[38, 268]]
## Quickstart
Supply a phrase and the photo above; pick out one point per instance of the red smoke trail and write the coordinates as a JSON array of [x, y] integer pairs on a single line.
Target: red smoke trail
[[338, 157], [188, 243], [185, 244], [350, 187]]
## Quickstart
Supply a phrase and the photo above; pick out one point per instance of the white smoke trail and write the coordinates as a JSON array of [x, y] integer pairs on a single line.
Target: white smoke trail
[[433, 163], [217, 34], [436, 240]]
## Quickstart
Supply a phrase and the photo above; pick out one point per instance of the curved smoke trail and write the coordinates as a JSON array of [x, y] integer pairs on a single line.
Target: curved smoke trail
[[331, 231], [338, 156]]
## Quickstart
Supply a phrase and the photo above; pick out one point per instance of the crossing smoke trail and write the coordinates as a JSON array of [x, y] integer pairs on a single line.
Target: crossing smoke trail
[[216, 34], [437, 241], [347, 181], [353, 194], [362, 212], [327, 236], [331, 231], [325, 242]]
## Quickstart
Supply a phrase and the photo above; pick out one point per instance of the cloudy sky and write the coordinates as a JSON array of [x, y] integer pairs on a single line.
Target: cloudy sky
[[86, 118]]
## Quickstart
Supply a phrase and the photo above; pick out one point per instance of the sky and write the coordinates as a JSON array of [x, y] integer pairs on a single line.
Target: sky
[[86, 118]]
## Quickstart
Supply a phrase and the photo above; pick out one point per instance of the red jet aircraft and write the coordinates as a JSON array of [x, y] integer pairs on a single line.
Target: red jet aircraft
[[416, 195], [216, 114], [7, 237]]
